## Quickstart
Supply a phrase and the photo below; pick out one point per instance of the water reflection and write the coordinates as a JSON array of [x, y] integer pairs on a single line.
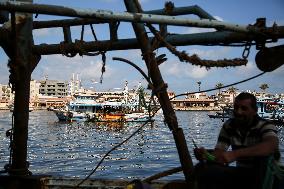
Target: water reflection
[[74, 149]]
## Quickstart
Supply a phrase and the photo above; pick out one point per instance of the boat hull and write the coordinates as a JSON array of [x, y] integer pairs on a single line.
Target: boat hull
[[69, 116], [51, 182]]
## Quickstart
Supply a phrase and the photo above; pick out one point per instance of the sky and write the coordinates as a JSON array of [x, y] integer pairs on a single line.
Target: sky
[[181, 77]]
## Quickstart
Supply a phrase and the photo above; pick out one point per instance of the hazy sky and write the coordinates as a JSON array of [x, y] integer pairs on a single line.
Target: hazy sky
[[181, 77]]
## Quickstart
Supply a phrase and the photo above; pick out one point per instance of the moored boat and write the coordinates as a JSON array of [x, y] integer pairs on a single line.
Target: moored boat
[[227, 112], [64, 115], [266, 108], [271, 110], [108, 111]]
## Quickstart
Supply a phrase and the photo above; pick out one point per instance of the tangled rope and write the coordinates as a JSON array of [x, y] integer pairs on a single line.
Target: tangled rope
[[194, 59]]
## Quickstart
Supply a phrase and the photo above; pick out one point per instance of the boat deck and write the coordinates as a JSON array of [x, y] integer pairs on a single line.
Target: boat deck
[[48, 182]]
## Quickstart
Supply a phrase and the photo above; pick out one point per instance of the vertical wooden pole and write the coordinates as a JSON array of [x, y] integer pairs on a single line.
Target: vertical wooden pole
[[23, 64], [156, 77]]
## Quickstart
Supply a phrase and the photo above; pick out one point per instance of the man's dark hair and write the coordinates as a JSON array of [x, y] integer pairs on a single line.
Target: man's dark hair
[[245, 95]]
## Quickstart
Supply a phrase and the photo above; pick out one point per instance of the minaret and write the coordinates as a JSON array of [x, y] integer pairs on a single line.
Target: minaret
[[125, 92]]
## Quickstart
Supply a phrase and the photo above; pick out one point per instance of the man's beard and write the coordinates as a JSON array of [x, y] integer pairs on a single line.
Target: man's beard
[[241, 120]]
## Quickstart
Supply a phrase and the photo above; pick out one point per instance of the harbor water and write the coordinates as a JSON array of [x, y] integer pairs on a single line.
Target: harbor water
[[75, 149]]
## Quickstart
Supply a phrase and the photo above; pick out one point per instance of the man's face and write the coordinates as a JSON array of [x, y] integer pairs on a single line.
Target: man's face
[[243, 111]]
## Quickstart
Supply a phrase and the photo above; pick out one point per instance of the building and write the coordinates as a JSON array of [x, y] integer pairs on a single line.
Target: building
[[226, 98], [6, 92], [50, 102], [74, 85], [53, 88], [34, 90], [6, 96], [197, 101]]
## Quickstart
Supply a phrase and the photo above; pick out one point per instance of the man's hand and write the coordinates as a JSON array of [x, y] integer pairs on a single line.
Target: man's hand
[[200, 153], [225, 157]]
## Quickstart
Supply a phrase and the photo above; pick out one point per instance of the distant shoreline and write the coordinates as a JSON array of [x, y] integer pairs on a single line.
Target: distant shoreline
[[197, 109]]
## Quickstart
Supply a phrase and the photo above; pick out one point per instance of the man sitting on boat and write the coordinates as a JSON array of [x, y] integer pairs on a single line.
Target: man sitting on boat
[[252, 140]]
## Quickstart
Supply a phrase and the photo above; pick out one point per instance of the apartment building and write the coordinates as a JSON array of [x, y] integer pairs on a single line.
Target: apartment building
[[53, 88]]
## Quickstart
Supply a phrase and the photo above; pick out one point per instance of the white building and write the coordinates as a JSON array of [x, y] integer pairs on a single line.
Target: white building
[[34, 90], [74, 85]]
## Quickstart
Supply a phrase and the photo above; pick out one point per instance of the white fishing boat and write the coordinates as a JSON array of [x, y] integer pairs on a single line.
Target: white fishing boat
[[93, 109], [271, 110], [267, 108]]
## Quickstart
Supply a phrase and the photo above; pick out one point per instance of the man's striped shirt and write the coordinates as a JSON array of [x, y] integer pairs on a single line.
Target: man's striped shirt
[[230, 135]]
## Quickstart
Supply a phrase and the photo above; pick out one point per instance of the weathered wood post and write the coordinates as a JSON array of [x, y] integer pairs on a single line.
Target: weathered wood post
[[161, 91], [21, 66]]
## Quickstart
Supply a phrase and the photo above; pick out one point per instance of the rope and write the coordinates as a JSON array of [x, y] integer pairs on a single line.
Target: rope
[[93, 32], [103, 67], [82, 33], [63, 52], [79, 47], [11, 139], [100, 52], [194, 59], [225, 86], [114, 148], [13, 77], [151, 115], [137, 68], [147, 121], [12, 83], [155, 91]]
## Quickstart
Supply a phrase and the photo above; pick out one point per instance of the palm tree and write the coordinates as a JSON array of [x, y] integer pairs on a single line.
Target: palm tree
[[219, 86], [199, 83], [232, 90]]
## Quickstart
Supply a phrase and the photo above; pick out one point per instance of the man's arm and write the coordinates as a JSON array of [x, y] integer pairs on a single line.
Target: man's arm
[[268, 146]]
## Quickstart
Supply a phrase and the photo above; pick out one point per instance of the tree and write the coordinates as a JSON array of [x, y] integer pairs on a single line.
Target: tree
[[263, 87], [198, 83], [232, 90], [4, 89], [219, 86]]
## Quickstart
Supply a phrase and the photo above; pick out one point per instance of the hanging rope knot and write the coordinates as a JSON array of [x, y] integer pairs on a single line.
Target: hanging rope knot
[[62, 48], [14, 76], [79, 47], [103, 57], [103, 65]]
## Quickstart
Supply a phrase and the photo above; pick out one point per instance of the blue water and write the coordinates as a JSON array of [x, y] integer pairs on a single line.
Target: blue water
[[74, 149]]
